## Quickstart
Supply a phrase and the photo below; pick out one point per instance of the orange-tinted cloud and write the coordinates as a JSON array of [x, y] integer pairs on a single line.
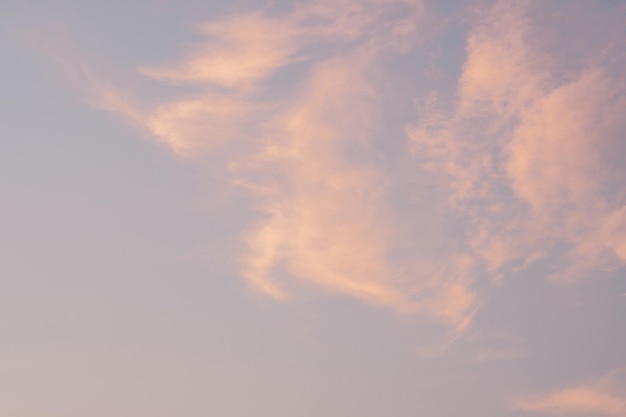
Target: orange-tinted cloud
[[530, 157], [524, 160], [602, 398], [328, 224], [240, 52]]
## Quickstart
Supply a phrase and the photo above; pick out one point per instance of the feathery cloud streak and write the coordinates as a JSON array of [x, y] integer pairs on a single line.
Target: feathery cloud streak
[[601, 398]]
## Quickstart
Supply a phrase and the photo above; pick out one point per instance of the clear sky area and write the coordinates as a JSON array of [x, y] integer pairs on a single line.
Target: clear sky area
[[313, 208]]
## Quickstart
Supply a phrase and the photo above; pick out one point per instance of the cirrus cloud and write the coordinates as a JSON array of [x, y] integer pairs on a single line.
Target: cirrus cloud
[[604, 397], [523, 163]]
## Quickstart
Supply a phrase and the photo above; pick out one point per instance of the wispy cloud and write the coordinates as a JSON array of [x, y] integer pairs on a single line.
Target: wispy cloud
[[240, 52], [329, 221], [601, 398], [527, 154], [309, 158], [524, 163], [328, 224]]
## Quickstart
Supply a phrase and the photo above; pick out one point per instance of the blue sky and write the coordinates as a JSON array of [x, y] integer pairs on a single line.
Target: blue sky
[[313, 208]]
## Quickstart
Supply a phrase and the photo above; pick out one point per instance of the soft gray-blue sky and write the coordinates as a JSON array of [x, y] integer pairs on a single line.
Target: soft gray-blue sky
[[353, 208]]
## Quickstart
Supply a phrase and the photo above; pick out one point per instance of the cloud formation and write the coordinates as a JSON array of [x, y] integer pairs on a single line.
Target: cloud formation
[[241, 51], [523, 163], [529, 156], [314, 172], [601, 398]]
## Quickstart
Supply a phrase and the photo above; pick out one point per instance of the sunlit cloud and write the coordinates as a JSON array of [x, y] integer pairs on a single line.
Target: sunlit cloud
[[528, 155], [523, 163], [240, 52], [601, 398], [328, 218]]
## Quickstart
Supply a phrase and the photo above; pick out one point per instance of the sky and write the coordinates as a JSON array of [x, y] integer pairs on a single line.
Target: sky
[[313, 208]]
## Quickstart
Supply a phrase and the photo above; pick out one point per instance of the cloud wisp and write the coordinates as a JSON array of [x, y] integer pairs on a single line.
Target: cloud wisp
[[311, 162], [604, 397]]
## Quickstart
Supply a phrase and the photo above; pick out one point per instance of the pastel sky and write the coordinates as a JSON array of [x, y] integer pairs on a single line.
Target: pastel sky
[[313, 208]]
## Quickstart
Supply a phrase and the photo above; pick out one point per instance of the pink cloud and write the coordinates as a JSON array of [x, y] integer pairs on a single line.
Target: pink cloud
[[525, 160], [528, 156], [601, 398], [327, 223], [240, 52]]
